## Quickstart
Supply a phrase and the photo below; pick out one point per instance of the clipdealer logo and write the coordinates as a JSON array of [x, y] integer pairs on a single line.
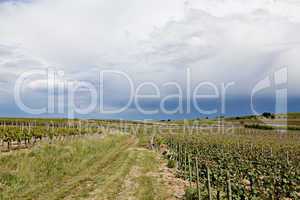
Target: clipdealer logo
[[279, 81]]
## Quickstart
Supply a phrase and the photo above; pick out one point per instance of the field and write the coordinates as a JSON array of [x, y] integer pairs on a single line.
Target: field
[[233, 158], [260, 166], [114, 167]]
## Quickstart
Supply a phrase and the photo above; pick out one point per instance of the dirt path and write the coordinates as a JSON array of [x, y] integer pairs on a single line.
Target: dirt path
[[175, 186], [143, 175], [111, 168]]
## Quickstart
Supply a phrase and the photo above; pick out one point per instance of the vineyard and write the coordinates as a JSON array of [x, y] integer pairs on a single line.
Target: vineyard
[[261, 165], [246, 162], [23, 133]]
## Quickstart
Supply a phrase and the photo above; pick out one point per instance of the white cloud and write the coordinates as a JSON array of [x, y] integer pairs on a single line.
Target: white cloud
[[81, 32], [220, 40]]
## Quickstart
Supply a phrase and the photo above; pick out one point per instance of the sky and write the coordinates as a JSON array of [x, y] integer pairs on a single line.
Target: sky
[[158, 59]]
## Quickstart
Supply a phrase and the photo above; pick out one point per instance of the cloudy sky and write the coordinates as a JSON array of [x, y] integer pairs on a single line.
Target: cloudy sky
[[162, 42]]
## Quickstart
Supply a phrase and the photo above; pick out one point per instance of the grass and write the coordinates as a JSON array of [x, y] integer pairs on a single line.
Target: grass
[[52, 171], [268, 127], [80, 169], [149, 186]]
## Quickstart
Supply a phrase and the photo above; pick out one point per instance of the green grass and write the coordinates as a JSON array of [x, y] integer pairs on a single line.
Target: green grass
[[149, 187], [53, 171], [80, 169]]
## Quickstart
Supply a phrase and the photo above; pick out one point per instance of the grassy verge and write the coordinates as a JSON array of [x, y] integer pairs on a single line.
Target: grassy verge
[[54, 171], [149, 186], [111, 168], [269, 127]]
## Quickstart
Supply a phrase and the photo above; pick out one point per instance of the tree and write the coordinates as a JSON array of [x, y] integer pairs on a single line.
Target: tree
[[268, 115]]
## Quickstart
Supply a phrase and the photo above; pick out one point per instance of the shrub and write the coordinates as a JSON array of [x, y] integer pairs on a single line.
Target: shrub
[[171, 163], [268, 115], [191, 194], [258, 126], [292, 128]]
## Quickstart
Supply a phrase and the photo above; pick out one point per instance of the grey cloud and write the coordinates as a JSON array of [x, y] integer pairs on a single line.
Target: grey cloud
[[219, 40]]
